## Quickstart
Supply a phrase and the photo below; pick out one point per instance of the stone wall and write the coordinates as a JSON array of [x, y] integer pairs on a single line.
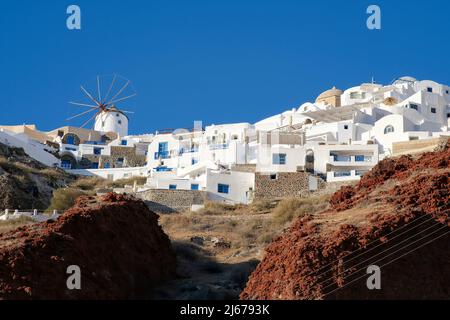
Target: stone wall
[[243, 167], [170, 201], [128, 154], [415, 146], [284, 184]]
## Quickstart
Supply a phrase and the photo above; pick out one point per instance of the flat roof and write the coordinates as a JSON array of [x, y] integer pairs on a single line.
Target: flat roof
[[335, 114]]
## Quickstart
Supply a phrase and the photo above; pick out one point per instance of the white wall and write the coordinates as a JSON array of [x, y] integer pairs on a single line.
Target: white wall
[[294, 157], [112, 121], [112, 173], [240, 183], [33, 148]]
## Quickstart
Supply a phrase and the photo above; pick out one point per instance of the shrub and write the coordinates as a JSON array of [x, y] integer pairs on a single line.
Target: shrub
[[89, 183], [262, 205], [218, 208], [291, 208], [64, 198]]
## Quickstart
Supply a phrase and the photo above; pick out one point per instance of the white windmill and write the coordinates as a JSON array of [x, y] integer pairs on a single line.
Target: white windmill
[[108, 117]]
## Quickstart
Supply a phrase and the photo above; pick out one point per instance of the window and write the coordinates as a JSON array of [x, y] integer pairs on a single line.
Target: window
[[124, 142], [413, 138], [117, 114], [279, 158], [163, 151], [223, 188], [66, 164], [60, 133], [359, 173], [172, 186], [162, 169], [70, 139], [119, 121], [194, 161], [346, 126], [97, 150], [273, 176], [388, 129], [430, 89], [107, 165], [120, 160], [94, 165], [359, 158], [357, 95], [342, 173], [194, 186], [433, 110], [448, 115], [446, 91], [413, 106]]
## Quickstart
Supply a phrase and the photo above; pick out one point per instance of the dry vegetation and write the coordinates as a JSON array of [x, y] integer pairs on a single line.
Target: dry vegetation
[[12, 224], [219, 246], [64, 198]]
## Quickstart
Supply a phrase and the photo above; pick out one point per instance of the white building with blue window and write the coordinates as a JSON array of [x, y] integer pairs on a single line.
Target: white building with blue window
[[338, 137]]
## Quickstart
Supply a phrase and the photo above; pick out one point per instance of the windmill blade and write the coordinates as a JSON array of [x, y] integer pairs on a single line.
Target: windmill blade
[[98, 89], [80, 114], [124, 98], [126, 111], [83, 104], [110, 87], [89, 120], [120, 91], [89, 95]]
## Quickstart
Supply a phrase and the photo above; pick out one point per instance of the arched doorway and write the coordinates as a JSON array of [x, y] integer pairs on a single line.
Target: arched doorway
[[68, 161]]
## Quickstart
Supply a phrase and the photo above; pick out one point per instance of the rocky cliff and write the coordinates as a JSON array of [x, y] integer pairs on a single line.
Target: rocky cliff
[[25, 183], [115, 240], [396, 218]]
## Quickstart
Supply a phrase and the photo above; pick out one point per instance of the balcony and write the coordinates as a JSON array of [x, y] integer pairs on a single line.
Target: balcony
[[220, 146], [191, 150], [359, 160]]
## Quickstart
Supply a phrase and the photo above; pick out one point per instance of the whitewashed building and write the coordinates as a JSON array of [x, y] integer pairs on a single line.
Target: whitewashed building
[[338, 137]]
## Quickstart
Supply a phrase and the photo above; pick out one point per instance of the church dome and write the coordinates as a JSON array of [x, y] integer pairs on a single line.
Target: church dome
[[333, 92]]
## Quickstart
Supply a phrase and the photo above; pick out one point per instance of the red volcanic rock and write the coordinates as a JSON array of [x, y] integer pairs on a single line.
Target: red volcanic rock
[[397, 217], [115, 240]]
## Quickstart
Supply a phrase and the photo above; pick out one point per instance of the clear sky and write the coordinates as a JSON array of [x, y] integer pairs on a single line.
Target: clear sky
[[216, 61]]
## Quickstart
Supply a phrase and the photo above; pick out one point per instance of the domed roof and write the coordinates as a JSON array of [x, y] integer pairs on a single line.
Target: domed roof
[[405, 79], [329, 93]]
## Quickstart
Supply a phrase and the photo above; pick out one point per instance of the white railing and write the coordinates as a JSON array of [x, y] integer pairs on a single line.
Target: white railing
[[38, 216]]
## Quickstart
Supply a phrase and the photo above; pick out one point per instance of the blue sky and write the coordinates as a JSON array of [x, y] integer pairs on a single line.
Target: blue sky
[[215, 61]]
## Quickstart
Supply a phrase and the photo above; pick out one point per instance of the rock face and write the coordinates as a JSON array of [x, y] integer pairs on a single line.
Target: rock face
[[397, 218], [25, 183], [116, 241]]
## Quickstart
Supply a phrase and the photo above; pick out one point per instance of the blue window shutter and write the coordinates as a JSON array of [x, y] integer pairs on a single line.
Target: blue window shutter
[[223, 188], [194, 186]]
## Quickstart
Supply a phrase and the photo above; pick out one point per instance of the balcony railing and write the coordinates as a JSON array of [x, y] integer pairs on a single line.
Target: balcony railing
[[218, 146], [351, 160], [191, 150]]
